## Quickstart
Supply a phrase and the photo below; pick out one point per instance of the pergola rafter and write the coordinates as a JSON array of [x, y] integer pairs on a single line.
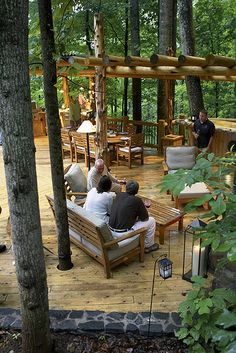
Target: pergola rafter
[[213, 67]]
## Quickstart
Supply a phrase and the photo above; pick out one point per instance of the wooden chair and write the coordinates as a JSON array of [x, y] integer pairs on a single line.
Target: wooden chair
[[66, 144], [132, 150], [179, 157], [93, 236], [79, 148], [131, 129], [92, 147], [75, 184]]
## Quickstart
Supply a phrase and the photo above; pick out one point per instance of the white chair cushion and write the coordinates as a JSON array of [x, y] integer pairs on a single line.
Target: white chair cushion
[[134, 149], [182, 157], [76, 179], [194, 191]]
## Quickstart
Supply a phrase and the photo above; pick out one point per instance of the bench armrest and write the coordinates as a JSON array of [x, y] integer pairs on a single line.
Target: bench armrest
[[140, 231]]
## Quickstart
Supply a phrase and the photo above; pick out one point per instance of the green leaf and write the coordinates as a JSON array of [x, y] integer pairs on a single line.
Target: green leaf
[[204, 306], [218, 206], [231, 348], [232, 255], [227, 319]]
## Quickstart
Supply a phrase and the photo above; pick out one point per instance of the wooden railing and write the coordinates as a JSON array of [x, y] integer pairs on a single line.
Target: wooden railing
[[153, 132], [225, 132]]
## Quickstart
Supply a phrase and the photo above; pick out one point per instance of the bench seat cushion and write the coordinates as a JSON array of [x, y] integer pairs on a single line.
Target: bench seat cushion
[[196, 190], [98, 223]]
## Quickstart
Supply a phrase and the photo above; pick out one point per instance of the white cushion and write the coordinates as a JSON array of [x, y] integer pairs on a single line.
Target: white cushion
[[133, 149], [182, 157], [194, 191], [76, 179]]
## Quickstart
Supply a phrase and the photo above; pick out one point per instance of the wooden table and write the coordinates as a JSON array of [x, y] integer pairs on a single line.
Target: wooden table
[[164, 216], [113, 141]]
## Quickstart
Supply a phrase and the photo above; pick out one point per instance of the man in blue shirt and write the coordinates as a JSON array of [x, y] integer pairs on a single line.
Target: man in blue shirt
[[203, 131]]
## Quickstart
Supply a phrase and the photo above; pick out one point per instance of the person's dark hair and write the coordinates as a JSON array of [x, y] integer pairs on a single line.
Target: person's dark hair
[[203, 111], [104, 184], [132, 187]]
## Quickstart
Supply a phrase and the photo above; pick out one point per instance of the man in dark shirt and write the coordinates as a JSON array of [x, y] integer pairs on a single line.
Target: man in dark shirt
[[129, 213], [203, 131]]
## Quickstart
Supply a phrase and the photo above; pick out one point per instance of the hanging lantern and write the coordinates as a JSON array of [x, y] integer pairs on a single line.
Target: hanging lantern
[[198, 259], [165, 268]]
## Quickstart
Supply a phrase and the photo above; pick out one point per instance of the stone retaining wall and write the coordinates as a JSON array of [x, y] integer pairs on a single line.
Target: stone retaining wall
[[100, 322]]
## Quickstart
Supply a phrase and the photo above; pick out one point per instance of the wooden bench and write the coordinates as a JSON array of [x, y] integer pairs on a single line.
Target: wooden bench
[[93, 236], [164, 217]]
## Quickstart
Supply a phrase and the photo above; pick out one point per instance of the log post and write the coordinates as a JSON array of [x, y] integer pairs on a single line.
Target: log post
[[161, 133], [100, 91], [65, 87]]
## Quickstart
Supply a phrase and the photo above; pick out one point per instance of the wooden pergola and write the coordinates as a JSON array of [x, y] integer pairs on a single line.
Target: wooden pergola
[[164, 67]]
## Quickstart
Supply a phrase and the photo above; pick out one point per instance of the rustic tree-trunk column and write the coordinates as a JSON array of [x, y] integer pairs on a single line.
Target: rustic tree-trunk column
[[65, 87], [19, 162], [167, 45], [193, 83], [54, 133], [100, 91]]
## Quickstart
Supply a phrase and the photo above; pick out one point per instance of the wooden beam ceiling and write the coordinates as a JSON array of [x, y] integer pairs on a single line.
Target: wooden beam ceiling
[[213, 67]]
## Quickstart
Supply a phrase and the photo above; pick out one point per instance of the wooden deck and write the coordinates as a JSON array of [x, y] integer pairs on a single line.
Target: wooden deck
[[84, 286]]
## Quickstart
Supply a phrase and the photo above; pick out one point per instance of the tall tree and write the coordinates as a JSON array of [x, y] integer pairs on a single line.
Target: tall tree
[[135, 51], [188, 46], [167, 46], [19, 162], [54, 132], [126, 80]]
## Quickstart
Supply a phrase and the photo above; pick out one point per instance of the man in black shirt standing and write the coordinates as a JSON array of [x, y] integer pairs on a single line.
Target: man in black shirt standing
[[203, 131], [129, 213]]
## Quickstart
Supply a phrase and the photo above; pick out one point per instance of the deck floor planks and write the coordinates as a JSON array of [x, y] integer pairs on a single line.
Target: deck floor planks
[[84, 287]]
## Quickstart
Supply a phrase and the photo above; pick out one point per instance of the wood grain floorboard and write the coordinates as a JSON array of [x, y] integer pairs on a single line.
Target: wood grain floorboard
[[84, 287]]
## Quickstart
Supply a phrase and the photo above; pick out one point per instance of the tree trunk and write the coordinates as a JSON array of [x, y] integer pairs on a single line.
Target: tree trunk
[[19, 162], [193, 84], [126, 80], [54, 133], [87, 34], [135, 51], [167, 46], [100, 91]]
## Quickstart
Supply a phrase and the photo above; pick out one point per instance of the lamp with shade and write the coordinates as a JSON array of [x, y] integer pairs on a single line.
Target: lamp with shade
[[87, 128]]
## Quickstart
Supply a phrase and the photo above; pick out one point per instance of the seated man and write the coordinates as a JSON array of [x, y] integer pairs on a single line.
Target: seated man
[[99, 200], [95, 174], [129, 213]]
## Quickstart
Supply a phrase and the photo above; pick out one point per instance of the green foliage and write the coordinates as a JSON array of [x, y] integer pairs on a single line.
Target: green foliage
[[209, 317]]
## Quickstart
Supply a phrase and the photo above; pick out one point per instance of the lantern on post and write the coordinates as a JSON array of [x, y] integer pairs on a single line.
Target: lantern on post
[[198, 259], [165, 271]]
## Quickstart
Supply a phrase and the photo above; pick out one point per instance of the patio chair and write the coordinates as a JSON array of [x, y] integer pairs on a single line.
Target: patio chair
[[133, 149], [75, 183], [79, 149], [180, 157], [66, 144]]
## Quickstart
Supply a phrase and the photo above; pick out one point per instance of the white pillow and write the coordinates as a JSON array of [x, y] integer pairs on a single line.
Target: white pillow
[[76, 179]]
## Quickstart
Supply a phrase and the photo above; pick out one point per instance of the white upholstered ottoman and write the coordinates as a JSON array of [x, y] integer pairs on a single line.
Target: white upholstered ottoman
[[190, 193]]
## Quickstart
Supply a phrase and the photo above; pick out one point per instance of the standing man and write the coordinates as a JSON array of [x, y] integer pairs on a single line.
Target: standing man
[[129, 213], [203, 131], [95, 174]]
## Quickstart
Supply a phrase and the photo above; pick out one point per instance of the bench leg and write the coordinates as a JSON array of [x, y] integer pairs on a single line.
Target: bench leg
[[161, 234], [180, 225]]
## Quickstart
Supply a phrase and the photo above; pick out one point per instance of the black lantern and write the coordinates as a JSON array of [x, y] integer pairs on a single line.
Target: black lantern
[[198, 260], [165, 271]]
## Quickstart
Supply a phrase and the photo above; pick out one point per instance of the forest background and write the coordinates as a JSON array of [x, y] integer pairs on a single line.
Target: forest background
[[214, 26]]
